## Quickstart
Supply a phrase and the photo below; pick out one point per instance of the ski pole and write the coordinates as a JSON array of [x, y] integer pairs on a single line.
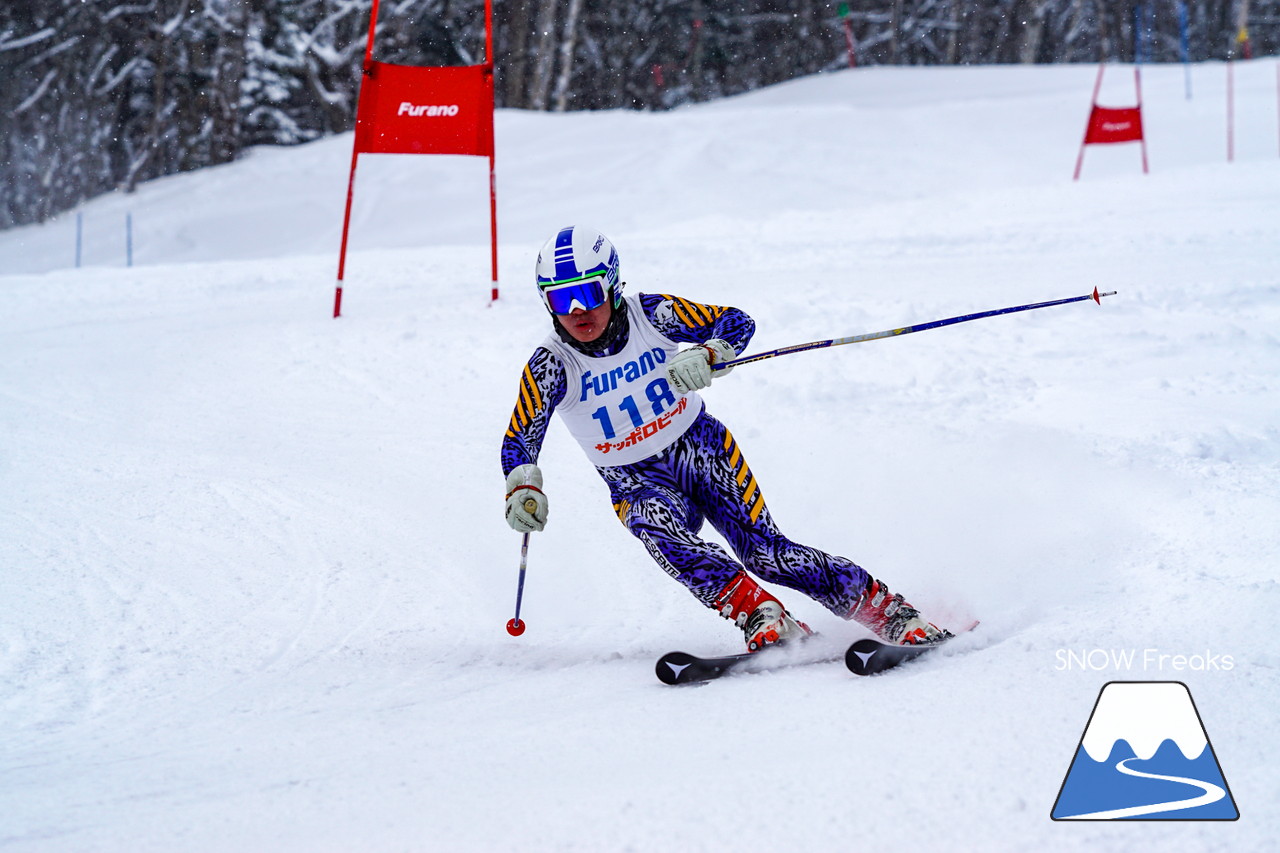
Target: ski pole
[[906, 330], [515, 627]]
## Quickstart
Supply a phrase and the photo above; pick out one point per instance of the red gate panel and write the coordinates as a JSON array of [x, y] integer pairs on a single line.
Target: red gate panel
[[1113, 124], [405, 109]]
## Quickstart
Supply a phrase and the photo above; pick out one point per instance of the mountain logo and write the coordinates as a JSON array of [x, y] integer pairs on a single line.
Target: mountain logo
[[1145, 755]]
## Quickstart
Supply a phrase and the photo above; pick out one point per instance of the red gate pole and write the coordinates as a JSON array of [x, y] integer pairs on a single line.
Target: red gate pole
[[1093, 102], [1137, 83], [346, 226], [493, 179], [493, 227], [351, 179], [373, 26]]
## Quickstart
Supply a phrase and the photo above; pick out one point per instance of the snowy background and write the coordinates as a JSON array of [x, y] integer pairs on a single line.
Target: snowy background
[[255, 569]]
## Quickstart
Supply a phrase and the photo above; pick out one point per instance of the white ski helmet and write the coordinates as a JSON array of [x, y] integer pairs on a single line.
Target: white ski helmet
[[578, 268]]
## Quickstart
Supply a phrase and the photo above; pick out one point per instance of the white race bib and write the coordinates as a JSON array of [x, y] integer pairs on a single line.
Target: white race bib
[[621, 408]]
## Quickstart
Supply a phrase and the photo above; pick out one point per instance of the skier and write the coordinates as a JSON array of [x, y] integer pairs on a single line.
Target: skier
[[628, 393]]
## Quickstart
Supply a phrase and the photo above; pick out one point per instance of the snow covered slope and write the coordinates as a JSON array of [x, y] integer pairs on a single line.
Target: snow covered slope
[[255, 570]]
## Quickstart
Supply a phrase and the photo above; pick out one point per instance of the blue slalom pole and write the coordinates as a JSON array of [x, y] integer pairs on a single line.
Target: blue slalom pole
[[79, 236], [1186, 45], [128, 238], [906, 330]]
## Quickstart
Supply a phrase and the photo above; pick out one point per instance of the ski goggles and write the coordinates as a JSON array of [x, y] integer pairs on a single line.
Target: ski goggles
[[586, 293]]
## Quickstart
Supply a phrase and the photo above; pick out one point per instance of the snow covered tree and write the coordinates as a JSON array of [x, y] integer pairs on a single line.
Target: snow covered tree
[[100, 95], [97, 95]]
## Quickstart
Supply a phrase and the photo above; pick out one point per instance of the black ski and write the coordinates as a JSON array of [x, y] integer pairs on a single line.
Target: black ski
[[864, 657], [684, 668], [868, 657]]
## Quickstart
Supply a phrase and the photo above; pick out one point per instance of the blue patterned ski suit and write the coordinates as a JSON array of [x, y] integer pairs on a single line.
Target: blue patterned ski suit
[[665, 498]]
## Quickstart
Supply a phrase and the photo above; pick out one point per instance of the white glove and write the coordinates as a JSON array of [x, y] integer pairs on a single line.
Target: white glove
[[690, 369], [526, 504]]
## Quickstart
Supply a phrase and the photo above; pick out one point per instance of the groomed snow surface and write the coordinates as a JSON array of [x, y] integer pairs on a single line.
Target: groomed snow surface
[[255, 568]]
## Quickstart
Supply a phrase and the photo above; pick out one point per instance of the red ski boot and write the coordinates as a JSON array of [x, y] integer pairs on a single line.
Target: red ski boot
[[892, 619], [762, 618]]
